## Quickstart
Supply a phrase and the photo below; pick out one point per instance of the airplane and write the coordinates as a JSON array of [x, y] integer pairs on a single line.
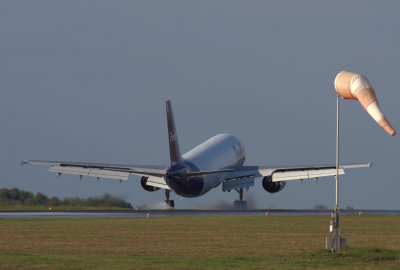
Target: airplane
[[217, 161]]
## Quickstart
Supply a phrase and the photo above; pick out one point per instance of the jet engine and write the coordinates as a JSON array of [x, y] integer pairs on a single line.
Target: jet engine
[[143, 182], [272, 187]]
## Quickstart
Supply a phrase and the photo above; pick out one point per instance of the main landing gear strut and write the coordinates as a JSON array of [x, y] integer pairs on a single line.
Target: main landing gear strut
[[170, 203], [240, 204]]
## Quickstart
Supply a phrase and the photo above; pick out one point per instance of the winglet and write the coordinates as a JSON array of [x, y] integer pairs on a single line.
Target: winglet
[[175, 153]]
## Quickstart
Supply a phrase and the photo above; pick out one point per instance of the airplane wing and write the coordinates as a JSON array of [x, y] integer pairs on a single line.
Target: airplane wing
[[235, 177], [243, 176], [104, 170]]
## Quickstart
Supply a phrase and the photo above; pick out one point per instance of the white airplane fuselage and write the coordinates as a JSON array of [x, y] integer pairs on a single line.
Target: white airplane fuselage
[[219, 152]]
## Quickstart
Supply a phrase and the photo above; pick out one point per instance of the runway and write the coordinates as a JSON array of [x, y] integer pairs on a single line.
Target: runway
[[171, 213]]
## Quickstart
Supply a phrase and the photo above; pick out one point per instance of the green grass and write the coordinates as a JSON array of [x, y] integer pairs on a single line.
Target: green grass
[[274, 242]]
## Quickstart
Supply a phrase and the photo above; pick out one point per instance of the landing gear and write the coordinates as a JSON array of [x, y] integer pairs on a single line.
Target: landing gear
[[170, 203], [240, 204]]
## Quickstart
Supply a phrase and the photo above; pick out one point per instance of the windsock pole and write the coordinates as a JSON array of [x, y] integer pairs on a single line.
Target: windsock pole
[[337, 227], [334, 243]]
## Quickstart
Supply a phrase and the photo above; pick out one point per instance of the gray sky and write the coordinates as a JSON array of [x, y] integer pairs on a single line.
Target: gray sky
[[87, 81]]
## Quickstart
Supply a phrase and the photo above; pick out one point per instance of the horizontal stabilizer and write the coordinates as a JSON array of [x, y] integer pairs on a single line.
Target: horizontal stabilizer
[[209, 172]]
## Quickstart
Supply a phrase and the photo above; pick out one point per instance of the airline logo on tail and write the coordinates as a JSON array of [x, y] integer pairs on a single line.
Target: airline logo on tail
[[172, 137]]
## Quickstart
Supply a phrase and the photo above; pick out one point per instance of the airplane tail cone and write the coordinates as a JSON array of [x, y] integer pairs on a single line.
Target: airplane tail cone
[[350, 85]]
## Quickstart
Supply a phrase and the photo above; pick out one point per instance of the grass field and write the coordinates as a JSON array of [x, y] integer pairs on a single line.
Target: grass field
[[273, 242]]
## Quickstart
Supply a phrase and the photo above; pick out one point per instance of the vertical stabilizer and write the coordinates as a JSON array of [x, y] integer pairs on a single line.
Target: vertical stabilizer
[[175, 152]]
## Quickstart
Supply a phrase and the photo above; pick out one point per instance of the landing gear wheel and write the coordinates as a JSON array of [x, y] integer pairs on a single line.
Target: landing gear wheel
[[240, 204], [170, 203]]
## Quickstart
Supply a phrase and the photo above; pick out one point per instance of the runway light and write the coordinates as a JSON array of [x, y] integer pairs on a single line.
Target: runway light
[[350, 85]]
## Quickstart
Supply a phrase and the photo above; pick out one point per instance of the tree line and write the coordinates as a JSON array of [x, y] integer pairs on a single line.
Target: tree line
[[17, 197]]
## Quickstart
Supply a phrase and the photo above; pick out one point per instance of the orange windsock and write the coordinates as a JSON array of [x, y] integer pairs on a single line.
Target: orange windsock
[[350, 85]]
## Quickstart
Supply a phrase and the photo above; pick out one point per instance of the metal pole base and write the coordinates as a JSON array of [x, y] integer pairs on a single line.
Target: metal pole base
[[331, 243]]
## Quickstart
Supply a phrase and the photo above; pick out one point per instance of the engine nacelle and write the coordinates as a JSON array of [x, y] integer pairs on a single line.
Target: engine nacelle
[[143, 182], [272, 187]]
